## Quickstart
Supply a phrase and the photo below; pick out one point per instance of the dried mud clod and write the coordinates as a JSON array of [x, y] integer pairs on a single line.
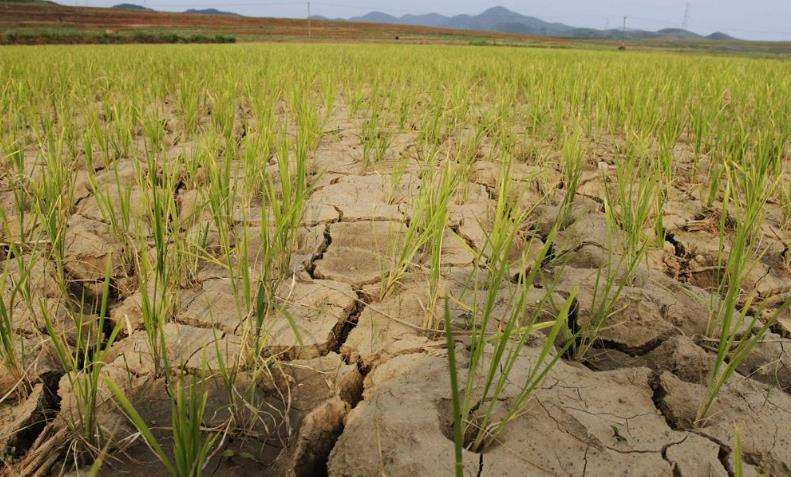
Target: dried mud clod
[[745, 404], [576, 426]]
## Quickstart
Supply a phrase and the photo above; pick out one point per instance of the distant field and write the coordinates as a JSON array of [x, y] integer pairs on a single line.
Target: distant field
[[38, 22], [16, 16]]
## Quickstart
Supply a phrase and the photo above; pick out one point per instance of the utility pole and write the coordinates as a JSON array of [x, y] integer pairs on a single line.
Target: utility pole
[[309, 32], [623, 38], [686, 17]]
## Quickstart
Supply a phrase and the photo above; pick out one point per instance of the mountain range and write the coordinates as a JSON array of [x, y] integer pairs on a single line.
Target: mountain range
[[501, 19]]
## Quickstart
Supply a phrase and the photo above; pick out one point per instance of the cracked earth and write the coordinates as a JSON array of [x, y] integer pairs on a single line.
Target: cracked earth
[[361, 387]]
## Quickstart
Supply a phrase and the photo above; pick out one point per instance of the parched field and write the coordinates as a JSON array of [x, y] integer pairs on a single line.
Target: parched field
[[359, 260]]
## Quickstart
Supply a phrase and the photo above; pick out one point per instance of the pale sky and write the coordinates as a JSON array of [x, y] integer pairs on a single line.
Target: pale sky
[[748, 19]]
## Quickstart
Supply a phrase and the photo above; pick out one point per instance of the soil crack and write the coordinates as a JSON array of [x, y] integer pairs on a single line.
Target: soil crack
[[658, 398], [311, 266]]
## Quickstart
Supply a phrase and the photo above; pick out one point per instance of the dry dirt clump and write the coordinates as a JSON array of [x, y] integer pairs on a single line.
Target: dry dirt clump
[[360, 252], [582, 421]]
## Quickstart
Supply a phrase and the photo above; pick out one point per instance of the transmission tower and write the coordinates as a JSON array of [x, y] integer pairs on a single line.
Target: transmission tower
[[686, 17], [623, 38], [309, 19]]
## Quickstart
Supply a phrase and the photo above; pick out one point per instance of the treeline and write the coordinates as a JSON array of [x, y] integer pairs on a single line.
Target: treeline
[[67, 37]]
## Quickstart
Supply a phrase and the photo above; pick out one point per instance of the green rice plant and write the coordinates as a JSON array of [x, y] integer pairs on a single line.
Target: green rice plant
[[21, 192], [376, 137], [282, 211], [283, 197], [53, 200], [493, 356], [221, 193], [9, 351], [458, 431], [329, 98], [427, 225], [16, 293], [435, 229], [733, 348], [572, 171], [82, 364], [123, 119], [189, 100], [631, 202], [223, 117], [286, 204], [467, 154], [306, 115], [156, 305], [734, 343], [153, 131], [356, 101], [431, 128], [192, 445], [405, 104], [396, 178], [785, 202], [116, 208], [281, 191], [157, 270], [628, 211]]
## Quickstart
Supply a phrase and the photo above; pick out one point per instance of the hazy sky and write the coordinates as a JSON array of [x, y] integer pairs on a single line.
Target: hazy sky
[[751, 19]]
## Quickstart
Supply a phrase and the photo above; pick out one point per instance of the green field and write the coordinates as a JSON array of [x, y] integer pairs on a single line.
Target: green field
[[382, 259]]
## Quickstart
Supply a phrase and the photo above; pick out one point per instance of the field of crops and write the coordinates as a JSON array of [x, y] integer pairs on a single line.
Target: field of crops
[[358, 260]]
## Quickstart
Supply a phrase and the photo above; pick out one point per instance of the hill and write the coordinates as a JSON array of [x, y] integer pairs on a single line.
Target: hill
[[494, 19], [209, 11], [131, 6], [718, 35]]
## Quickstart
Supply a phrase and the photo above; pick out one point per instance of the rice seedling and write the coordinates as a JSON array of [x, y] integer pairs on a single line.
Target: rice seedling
[[375, 135], [735, 342], [82, 364], [492, 356], [16, 294], [54, 195], [192, 445], [628, 211], [426, 226], [157, 269], [572, 171]]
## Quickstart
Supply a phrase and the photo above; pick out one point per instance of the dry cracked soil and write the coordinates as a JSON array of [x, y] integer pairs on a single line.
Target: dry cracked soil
[[361, 388]]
